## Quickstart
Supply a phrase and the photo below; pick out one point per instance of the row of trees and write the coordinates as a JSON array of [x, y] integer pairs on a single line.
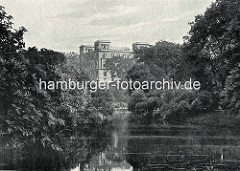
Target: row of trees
[[44, 129], [210, 54]]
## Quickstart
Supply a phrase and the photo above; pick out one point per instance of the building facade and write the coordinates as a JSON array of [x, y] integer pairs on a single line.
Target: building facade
[[93, 58]]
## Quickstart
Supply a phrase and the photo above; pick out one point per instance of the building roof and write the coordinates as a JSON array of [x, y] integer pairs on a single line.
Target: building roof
[[91, 46], [103, 41]]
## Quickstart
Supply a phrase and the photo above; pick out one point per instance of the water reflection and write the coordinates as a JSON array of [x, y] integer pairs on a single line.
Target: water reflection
[[113, 158], [167, 147], [190, 146]]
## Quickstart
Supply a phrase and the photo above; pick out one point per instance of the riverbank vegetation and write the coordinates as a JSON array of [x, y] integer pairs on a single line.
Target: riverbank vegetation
[[53, 129], [210, 54], [44, 129]]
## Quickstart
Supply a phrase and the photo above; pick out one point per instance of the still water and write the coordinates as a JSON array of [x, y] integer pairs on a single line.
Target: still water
[[168, 147]]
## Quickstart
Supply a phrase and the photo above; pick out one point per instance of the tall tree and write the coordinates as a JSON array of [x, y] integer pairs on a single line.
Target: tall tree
[[37, 125], [212, 46]]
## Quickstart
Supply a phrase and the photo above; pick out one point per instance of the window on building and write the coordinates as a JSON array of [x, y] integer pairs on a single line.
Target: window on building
[[104, 46], [103, 64], [105, 73]]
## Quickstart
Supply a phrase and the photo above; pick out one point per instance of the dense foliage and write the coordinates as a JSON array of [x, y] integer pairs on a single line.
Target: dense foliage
[[164, 60], [51, 129], [212, 47], [44, 129], [210, 54]]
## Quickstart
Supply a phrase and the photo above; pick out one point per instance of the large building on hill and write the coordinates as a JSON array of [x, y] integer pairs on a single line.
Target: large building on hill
[[93, 58]]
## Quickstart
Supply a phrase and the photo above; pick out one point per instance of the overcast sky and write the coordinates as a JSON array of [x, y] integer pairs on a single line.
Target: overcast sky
[[64, 25]]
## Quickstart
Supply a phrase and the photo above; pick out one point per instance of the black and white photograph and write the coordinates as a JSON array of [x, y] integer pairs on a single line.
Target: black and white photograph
[[119, 85]]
